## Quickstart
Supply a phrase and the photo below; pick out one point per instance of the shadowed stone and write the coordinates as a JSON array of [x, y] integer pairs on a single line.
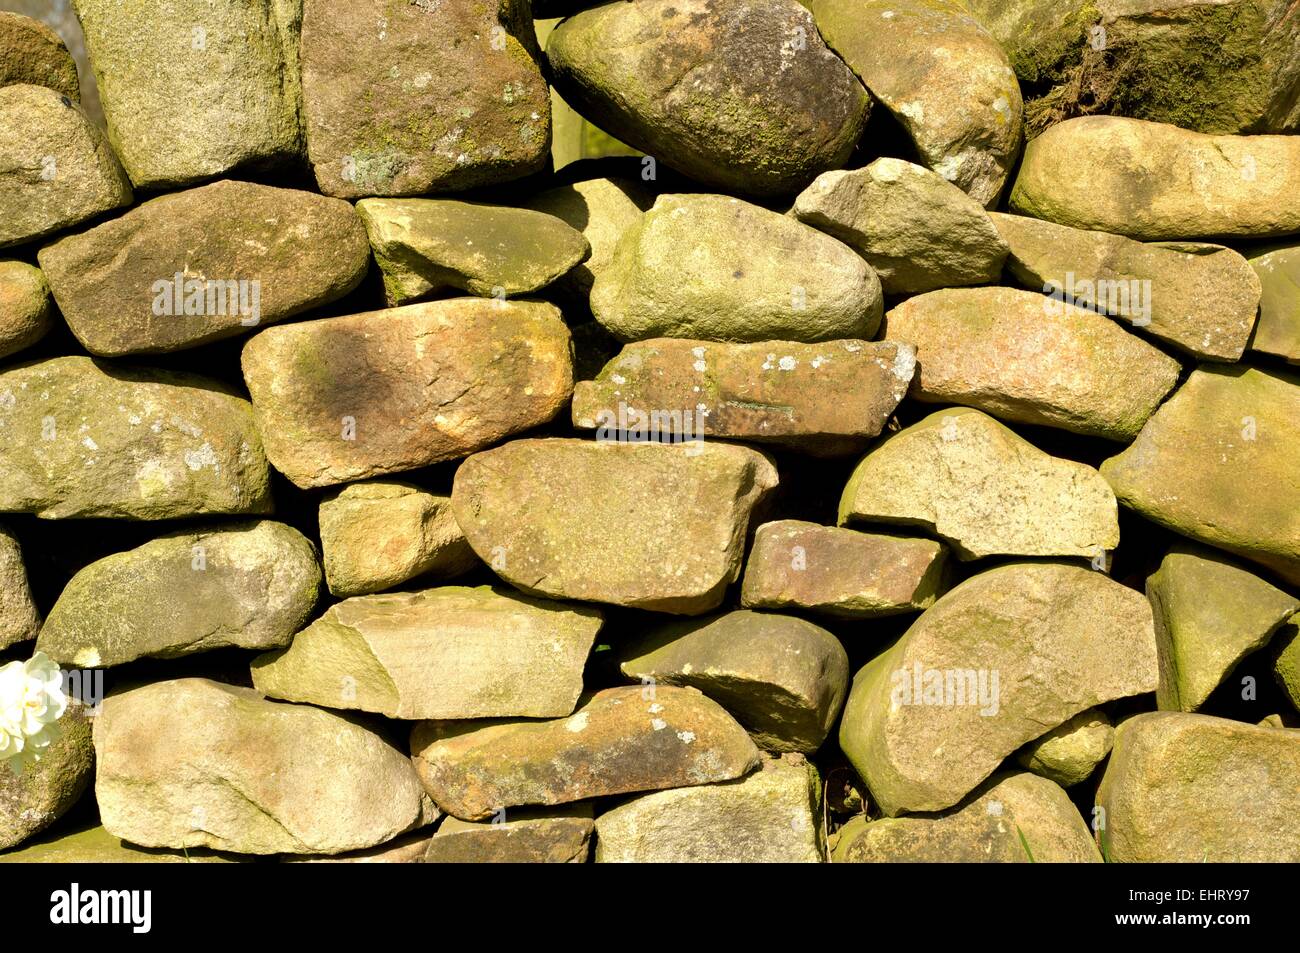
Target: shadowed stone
[[32, 54], [46, 790], [1278, 330], [19, 618], [1069, 753], [553, 836]]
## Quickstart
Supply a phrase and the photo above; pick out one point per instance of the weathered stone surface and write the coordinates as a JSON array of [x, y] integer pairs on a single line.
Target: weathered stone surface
[[963, 476], [95, 845], [1286, 660], [249, 585], [1151, 181], [19, 618], [246, 255], [824, 399], [45, 791], [410, 98], [56, 166], [1013, 818], [636, 524], [407, 849], [368, 394], [554, 836], [1227, 429], [1004, 656], [784, 679], [917, 230], [772, 816], [1197, 297], [380, 534], [717, 268], [742, 96], [1277, 331], [32, 54], [82, 438], [426, 245], [616, 742], [840, 572], [25, 312], [942, 76], [1210, 613], [1193, 789], [194, 763], [1070, 752], [1025, 357], [451, 652]]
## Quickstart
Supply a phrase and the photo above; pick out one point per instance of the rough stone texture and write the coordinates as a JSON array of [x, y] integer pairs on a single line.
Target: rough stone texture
[[1278, 330], [1025, 357], [407, 849], [19, 618], [717, 268], [46, 790], [32, 54], [773, 816], [426, 245], [784, 679], [1013, 818], [1196, 297], [969, 480], [636, 524], [1154, 181], [1069, 753], [741, 96], [194, 763], [1059, 639], [1286, 660], [823, 399], [56, 166], [1225, 430], [840, 572], [616, 742], [1174, 786], [412, 386], [555, 836], [405, 98], [81, 438], [917, 230], [942, 76], [253, 255], [95, 845], [451, 652], [1210, 613], [250, 585], [25, 312], [380, 534]]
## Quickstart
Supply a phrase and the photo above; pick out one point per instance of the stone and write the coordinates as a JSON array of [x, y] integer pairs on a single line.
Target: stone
[[1286, 660], [1198, 298], [95, 845], [717, 268], [25, 312], [412, 98], [823, 399], [1032, 359], [841, 573], [424, 246], [1277, 332], [1002, 657], [383, 533], [208, 263], [917, 230], [1186, 788], [982, 489], [56, 167], [772, 816], [617, 742], [194, 763], [365, 395], [1225, 430], [1154, 181], [406, 849], [1015, 817], [553, 836], [941, 76], [451, 652], [241, 585], [741, 96], [19, 618], [1070, 752], [783, 678], [613, 522], [44, 792], [80, 438], [1210, 613], [31, 54]]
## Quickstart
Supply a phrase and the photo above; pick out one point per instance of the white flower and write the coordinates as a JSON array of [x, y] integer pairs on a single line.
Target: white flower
[[31, 704]]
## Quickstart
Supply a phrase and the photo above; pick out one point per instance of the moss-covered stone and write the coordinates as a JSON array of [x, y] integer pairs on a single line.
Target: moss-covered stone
[[557, 835], [1070, 752], [95, 845], [31, 53], [25, 311], [1277, 332], [1286, 660], [19, 618], [35, 799]]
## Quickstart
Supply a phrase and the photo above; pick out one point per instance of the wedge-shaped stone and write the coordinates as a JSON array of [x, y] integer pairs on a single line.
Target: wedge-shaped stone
[[818, 398], [25, 312], [19, 618], [32, 54], [1069, 753], [46, 790], [1033, 359], [368, 394], [1194, 789], [451, 652], [784, 679], [552, 836], [643, 524], [194, 763], [1286, 660], [407, 849], [991, 665], [963, 476], [83, 438], [208, 263], [1278, 330], [616, 742]]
